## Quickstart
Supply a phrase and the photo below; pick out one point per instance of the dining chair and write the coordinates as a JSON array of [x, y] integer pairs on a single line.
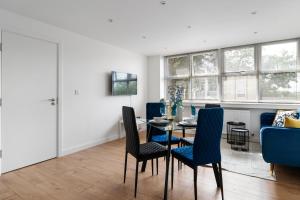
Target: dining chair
[[142, 152], [206, 147], [190, 140], [154, 134], [212, 105]]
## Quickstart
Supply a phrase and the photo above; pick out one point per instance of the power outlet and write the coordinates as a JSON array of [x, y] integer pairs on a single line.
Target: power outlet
[[76, 92]]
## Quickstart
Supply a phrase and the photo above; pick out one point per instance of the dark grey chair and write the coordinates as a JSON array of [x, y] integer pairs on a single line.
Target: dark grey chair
[[142, 152]]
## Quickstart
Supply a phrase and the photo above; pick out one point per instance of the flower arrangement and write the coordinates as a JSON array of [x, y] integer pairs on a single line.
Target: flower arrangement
[[175, 97]]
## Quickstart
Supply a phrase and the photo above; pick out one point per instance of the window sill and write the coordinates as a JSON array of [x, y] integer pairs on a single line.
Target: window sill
[[246, 105]]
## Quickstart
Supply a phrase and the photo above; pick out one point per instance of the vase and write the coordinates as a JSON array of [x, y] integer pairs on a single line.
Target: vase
[[179, 114], [174, 110]]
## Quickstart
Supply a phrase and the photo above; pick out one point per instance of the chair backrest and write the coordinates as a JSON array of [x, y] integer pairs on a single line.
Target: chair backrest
[[153, 110], [206, 148], [132, 136], [211, 105]]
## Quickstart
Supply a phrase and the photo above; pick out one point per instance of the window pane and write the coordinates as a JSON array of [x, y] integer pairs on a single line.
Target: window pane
[[298, 86], [181, 82], [237, 60], [240, 88], [279, 86], [205, 63], [179, 66], [279, 57], [205, 88]]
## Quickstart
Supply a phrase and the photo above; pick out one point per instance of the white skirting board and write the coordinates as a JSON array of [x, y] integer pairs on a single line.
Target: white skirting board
[[89, 144]]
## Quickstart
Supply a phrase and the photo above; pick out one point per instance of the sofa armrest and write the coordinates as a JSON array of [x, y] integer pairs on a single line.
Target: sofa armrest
[[266, 119], [281, 145]]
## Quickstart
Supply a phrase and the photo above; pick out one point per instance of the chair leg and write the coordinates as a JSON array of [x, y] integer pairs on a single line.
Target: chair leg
[[152, 167], [172, 172], [178, 162], [157, 166], [136, 177], [272, 167], [221, 180], [216, 172], [125, 166], [195, 181]]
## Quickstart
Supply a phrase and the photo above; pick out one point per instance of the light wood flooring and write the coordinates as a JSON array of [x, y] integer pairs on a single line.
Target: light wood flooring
[[97, 173]]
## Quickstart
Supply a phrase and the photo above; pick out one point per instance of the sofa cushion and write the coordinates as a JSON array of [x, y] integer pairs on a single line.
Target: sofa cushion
[[281, 115], [291, 123]]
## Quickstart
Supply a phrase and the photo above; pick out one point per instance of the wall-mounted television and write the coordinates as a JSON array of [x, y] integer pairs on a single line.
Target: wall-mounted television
[[123, 83]]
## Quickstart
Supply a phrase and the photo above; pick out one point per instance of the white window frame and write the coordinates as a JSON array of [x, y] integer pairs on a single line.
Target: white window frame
[[240, 73], [284, 71], [217, 75], [222, 74], [168, 77]]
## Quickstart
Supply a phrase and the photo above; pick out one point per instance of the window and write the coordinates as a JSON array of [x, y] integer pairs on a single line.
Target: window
[[264, 72], [239, 78], [279, 73], [179, 66], [181, 82], [205, 76], [179, 73]]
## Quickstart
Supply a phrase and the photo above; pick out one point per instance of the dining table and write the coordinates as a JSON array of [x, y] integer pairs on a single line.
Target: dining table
[[169, 128]]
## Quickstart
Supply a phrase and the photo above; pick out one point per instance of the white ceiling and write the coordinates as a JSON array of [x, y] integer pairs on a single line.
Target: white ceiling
[[214, 23]]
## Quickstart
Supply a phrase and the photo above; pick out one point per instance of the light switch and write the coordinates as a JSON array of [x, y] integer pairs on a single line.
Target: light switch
[[76, 92]]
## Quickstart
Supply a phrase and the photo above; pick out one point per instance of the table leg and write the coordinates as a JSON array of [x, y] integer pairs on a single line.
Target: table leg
[[183, 132], [167, 166]]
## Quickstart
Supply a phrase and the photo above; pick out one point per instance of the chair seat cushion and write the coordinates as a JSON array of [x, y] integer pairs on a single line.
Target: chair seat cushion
[[184, 154], [163, 139], [151, 150], [187, 140]]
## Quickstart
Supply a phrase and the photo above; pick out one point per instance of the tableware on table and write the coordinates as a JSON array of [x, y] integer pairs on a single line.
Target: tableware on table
[[184, 123], [190, 120], [161, 122], [162, 110], [193, 110], [157, 119]]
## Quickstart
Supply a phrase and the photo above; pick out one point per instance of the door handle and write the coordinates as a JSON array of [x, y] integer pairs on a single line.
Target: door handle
[[53, 101]]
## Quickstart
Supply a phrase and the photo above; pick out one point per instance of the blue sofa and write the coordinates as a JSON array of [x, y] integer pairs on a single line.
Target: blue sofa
[[279, 145]]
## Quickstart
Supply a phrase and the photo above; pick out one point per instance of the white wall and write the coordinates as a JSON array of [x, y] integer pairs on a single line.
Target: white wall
[[92, 116], [155, 69]]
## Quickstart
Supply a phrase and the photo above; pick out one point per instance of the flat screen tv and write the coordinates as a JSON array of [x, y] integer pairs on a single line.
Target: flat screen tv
[[123, 83]]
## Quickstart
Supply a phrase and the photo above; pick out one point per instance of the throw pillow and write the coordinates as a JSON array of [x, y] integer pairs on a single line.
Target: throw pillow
[[281, 115], [291, 123]]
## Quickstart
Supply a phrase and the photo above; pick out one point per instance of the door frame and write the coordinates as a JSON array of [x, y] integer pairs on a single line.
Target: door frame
[[59, 111]]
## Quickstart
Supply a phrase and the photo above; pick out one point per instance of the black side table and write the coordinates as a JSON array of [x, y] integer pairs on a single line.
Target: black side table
[[240, 139], [230, 125]]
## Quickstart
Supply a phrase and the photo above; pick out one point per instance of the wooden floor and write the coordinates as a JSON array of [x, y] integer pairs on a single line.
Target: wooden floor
[[97, 173]]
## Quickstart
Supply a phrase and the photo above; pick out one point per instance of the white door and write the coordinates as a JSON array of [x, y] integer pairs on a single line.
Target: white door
[[29, 93]]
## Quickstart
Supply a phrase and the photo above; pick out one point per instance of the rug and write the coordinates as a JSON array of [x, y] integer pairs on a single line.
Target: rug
[[247, 163]]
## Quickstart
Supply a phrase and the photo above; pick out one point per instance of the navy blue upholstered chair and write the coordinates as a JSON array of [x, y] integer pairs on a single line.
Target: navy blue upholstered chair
[[212, 105], [190, 140], [206, 147], [154, 134]]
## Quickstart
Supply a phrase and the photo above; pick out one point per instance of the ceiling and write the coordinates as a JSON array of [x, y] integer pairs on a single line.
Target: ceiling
[[149, 28]]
